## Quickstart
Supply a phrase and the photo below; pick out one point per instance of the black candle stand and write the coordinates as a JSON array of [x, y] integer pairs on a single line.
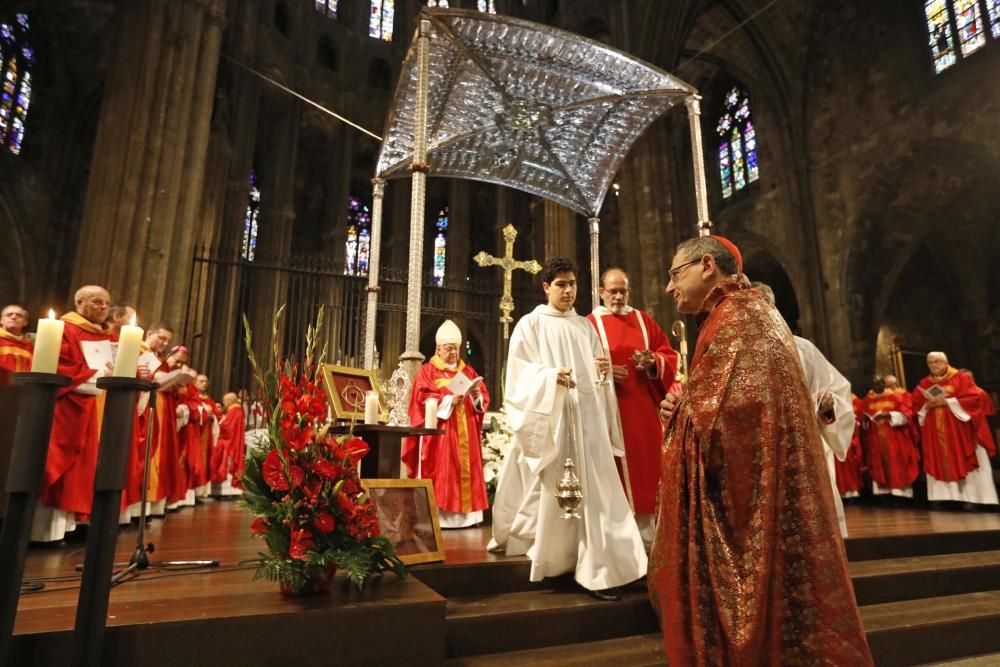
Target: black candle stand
[[24, 482], [109, 479]]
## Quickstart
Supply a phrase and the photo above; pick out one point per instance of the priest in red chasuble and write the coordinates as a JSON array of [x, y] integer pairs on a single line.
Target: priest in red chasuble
[[229, 454], [957, 464], [15, 346], [68, 489], [892, 457], [643, 366], [849, 471], [454, 461], [748, 566]]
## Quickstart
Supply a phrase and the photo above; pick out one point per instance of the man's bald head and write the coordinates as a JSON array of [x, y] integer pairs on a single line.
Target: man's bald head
[[93, 302], [765, 291], [615, 290], [230, 398], [891, 381]]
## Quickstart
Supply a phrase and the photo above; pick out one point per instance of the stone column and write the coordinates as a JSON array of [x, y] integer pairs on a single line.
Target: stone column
[[139, 221]]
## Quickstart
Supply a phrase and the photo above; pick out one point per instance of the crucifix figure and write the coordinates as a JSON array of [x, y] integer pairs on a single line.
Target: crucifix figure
[[509, 265]]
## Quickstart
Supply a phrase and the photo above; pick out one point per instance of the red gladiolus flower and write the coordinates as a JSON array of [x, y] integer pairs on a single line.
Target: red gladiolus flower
[[324, 522], [274, 472], [296, 476], [325, 469], [301, 541], [259, 526]]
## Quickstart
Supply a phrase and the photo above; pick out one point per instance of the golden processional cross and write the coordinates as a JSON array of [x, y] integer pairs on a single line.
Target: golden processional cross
[[509, 265]]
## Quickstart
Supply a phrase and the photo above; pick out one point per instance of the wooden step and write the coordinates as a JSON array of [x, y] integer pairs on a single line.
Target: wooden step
[[516, 621], [916, 632], [930, 544], [911, 578], [634, 651], [500, 576]]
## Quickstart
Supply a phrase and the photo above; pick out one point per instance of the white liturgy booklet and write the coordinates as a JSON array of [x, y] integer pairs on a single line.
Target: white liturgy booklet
[[149, 360], [461, 384], [934, 391], [98, 353]]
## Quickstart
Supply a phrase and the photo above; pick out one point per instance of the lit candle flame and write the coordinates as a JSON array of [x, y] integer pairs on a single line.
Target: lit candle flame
[[131, 322], [52, 314]]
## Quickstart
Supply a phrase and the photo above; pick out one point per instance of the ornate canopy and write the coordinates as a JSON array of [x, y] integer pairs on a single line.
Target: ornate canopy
[[525, 105]]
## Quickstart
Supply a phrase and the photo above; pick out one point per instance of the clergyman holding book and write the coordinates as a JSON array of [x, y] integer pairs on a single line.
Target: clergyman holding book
[[454, 460]]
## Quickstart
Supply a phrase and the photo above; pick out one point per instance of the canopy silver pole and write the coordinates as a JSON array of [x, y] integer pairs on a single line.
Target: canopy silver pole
[[595, 259], [373, 267], [692, 102], [411, 358]]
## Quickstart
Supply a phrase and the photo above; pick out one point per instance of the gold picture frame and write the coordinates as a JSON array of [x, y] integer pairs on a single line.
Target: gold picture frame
[[408, 517], [345, 389]]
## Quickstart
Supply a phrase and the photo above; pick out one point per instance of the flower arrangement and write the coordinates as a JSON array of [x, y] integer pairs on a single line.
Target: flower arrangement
[[302, 484], [496, 444]]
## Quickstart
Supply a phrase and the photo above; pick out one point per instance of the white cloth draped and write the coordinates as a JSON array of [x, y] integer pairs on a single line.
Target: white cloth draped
[[821, 377], [603, 548]]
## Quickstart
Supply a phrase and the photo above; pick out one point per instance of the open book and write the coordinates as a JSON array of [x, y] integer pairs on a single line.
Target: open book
[[98, 353], [175, 378], [934, 391], [461, 383]]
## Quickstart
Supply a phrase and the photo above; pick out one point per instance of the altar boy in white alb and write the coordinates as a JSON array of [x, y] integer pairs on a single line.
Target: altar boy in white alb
[[559, 407]]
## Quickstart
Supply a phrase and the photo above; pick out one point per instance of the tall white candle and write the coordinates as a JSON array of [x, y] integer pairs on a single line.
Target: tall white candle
[[431, 413], [371, 407], [129, 342], [684, 346], [48, 341]]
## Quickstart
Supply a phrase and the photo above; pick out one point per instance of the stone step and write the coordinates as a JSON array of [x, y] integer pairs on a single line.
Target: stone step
[[522, 620], [915, 632], [911, 578], [930, 544], [634, 651]]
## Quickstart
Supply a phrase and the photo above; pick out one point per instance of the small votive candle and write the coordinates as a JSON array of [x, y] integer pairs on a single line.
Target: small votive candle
[[127, 359], [371, 407], [431, 413], [48, 341]]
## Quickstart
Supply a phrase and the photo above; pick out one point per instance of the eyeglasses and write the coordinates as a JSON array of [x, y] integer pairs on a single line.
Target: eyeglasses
[[677, 270]]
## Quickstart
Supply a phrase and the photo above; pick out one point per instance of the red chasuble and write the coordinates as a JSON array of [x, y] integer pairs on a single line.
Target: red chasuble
[[454, 461], [229, 454], [15, 355], [984, 411], [849, 471], [189, 437], [893, 459], [949, 443], [748, 566], [72, 457], [639, 396]]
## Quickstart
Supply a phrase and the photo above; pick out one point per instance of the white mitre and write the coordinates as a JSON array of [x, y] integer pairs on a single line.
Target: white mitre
[[448, 332]]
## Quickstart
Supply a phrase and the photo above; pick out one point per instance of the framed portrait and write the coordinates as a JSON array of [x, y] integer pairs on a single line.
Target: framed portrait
[[346, 388], [408, 517]]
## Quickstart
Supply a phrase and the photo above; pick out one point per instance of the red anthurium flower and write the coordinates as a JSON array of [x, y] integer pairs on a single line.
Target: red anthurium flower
[[355, 448], [274, 472], [324, 522], [259, 526], [296, 475], [301, 541]]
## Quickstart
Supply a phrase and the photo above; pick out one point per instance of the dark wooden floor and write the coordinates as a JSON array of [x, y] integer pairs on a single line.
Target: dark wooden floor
[[220, 531]]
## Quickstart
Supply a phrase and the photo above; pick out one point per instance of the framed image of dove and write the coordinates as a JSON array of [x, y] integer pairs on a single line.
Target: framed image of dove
[[346, 389]]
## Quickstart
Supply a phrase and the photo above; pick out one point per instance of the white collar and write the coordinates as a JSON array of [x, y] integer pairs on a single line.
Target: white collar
[[546, 309], [601, 311]]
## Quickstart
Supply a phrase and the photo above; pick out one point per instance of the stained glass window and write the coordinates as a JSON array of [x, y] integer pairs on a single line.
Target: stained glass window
[[737, 144], [993, 10], [380, 21], [16, 60], [359, 238], [440, 246], [327, 7], [250, 220], [487, 6], [958, 28]]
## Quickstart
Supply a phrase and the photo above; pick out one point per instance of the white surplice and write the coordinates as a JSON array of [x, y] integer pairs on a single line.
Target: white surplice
[[821, 376], [603, 548]]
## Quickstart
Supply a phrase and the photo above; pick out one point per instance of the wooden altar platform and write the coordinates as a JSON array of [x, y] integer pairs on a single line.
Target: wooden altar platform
[[928, 584]]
